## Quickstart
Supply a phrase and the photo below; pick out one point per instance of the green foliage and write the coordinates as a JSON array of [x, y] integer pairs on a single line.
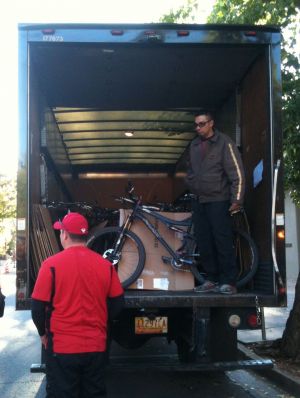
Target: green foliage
[[22, 194], [7, 198], [277, 12], [182, 14], [11, 244], [7, 214], [285, 14]]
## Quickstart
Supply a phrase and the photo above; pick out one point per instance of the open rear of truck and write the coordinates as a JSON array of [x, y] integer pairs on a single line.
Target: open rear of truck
[[104, 104]]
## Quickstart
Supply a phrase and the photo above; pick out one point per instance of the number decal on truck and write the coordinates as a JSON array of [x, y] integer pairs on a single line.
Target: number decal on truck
[[52, 38]]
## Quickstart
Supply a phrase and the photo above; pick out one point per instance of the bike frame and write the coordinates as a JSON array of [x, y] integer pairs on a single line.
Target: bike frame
[[139, 211]]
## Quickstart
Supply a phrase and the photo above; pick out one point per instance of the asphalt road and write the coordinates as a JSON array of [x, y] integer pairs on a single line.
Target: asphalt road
[[20, 348]]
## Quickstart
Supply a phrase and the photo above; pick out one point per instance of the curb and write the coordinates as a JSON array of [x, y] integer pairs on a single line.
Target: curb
[[279, 377]]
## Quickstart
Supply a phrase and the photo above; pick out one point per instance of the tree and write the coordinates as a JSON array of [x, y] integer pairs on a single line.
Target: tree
[[7, 214], [185, 13], [7, 198], [285, 14]]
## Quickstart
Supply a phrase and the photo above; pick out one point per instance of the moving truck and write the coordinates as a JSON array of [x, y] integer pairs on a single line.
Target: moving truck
[[101, 105]]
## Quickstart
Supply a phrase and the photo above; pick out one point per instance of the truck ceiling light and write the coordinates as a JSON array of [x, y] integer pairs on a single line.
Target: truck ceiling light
[[234, 320], [98, 175], [180, 174]]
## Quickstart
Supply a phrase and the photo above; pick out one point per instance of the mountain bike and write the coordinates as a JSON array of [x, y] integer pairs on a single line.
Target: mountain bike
[[96, 215], [111, 241]]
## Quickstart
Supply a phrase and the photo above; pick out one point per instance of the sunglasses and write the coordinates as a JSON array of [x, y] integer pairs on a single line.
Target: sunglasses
[[201, 124]]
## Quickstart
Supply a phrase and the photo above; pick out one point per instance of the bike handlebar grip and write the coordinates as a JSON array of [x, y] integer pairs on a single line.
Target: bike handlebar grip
[[239, 210], [151, 208], [123, 199]]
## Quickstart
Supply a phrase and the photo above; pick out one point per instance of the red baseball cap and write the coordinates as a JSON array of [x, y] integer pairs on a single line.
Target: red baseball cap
[[74, 223]]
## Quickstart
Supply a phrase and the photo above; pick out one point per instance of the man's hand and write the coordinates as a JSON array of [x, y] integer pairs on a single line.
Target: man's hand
[[44, 340], [234, 208]]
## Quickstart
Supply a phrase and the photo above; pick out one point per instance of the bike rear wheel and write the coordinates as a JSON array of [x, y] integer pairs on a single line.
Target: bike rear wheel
[[129, 261], [246, 259]]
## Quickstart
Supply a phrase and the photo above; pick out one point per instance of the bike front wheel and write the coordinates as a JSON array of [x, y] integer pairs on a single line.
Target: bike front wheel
[[129, 261]]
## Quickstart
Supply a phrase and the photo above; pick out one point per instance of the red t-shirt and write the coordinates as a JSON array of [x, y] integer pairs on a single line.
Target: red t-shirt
[[83, 281]]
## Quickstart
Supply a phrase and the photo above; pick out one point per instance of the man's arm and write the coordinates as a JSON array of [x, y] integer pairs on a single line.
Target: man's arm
[[234, 169], [38, 314], [190, 179]]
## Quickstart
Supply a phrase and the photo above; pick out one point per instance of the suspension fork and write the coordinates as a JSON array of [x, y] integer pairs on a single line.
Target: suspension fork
[[126, 227]]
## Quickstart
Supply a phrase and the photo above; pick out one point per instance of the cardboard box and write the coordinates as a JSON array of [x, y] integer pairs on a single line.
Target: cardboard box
[[156, 274]]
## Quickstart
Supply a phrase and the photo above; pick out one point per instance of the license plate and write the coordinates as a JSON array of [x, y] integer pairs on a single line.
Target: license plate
[[157, 325]]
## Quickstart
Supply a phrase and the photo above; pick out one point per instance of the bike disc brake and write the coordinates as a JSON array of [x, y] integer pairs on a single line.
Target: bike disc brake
[[111, 256]]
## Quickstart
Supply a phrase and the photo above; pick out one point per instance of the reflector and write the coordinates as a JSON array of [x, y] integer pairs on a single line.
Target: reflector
[[183, 33], [252, 320], [117, 32], [48, 31]]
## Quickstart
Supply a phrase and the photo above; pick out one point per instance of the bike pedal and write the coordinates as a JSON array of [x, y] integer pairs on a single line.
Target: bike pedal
[[166, 260]]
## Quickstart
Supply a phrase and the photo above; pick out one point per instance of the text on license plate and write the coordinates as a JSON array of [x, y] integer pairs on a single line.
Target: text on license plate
[[144, 325]]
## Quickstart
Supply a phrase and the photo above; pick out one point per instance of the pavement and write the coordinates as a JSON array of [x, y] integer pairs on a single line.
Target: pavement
[[273, 327], [274, 319]]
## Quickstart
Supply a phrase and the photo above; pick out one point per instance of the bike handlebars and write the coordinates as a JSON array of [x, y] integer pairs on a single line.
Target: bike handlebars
[[134, 200]]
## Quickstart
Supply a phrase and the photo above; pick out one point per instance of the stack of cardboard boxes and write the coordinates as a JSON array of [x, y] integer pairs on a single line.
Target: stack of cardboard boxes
[[157, 275]]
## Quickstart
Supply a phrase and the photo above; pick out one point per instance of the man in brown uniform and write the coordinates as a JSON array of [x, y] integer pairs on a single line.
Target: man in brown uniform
[[215, 174]]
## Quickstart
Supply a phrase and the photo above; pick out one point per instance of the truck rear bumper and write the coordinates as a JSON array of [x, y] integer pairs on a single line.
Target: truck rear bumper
[[171, 364], [188, 298]]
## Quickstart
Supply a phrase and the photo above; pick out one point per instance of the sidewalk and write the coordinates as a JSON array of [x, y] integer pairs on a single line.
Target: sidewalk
[[275, 319], [275, 322]]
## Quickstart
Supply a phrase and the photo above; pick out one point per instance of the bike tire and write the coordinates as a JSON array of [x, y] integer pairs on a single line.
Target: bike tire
[[246, 259], [131, 260]]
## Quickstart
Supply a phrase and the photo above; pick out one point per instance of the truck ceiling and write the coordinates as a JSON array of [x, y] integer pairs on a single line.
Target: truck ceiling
[[117, 106], [139, 77]]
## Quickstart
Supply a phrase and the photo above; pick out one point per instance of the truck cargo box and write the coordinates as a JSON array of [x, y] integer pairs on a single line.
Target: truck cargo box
[[104, 104]]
